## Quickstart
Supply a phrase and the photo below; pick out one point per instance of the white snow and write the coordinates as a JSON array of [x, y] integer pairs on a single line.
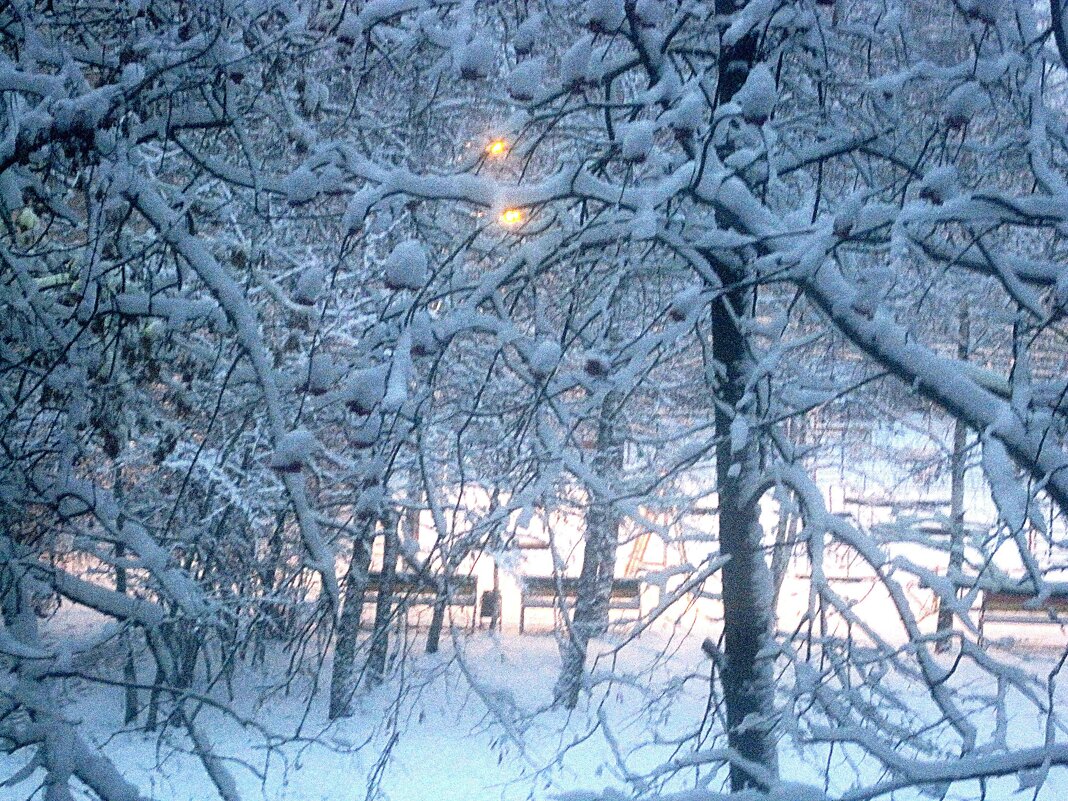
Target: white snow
[[300, 186], [471, 729], [407, 266], [399, 372], [527, 80], [964, 103], [686, 303], [294, 449], [597, 364], [180, 195], [310, 285], [650, 12], [604, 16], [366, 432], [847, 215], [940, 184], [575, 63], [688, 115], [475, 60], [645, 225], [528, 34], [422, 336], [544, 359], [321, 374], [986, 11], [637, 140], [365, 389], [758, 95], [739, 433]]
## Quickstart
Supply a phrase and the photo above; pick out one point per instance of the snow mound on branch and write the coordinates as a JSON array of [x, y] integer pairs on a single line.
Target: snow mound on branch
[[739, 433], [365, 389], [475, 60], [399, 372], [310, 286], [598, 364], [369, 503], [644, 225], [755, 14], [322, 373], [545, 358], [1014, 502], [406, 267], [1060, 296], [650, 12], [300, 186], [847, 215], [575, 64], [964, 103], [356, 211], [604, 16], [637, 140], [422, 335], [527, 34], [527, 79], [316, 96], [982, 10], [940, 184], [294, 450], [758, 95], [688, 115], [685, 303], [366, 433]]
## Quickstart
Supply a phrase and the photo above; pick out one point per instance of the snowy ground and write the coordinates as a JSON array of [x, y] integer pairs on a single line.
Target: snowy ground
[[472, 730]]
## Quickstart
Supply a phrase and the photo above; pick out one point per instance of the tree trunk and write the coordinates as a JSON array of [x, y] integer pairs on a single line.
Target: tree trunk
[[748, 684], [956, 493], [376, 657], [152, 718], [342, 679], [129, 670], [410, 524], [433, 636], [748, 617], [590, 618]]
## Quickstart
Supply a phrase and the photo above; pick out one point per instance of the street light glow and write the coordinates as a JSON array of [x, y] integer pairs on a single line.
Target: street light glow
[[511, 217]]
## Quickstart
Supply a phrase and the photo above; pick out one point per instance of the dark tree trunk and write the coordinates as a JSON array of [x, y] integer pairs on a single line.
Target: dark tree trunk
[[161, 643], [590, 618], [274, 613], [379, 649], [342, 678], [152, 719], [956, 492], [433, 636], [129, 670], [747, 672], [748, 687]]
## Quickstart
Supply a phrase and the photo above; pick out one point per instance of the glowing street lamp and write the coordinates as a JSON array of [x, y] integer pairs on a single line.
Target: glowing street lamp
[[496, 148], [510, 218]]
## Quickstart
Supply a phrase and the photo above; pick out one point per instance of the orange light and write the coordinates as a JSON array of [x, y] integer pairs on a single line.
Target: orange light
[[511, 217], [498, 147]]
